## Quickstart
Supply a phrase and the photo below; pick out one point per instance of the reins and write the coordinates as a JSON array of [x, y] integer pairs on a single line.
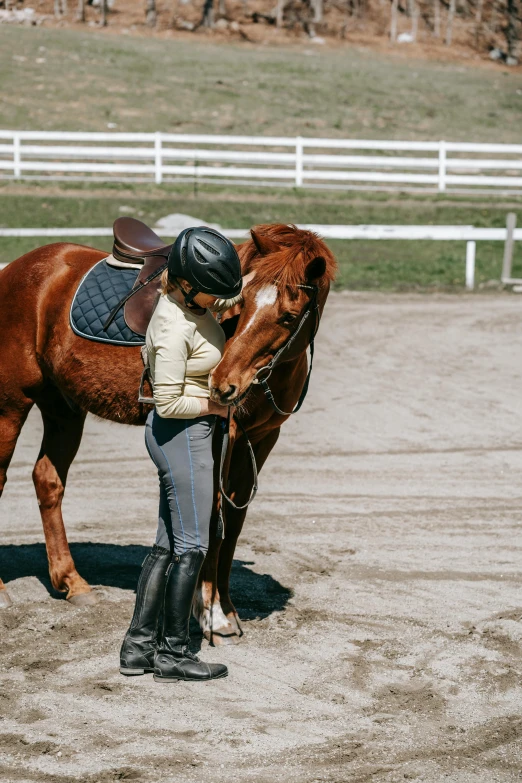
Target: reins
[[224, 449], [313, 306]]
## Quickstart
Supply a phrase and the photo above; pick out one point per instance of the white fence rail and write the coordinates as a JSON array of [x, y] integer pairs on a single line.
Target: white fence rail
[[261, 160], [468, 234]]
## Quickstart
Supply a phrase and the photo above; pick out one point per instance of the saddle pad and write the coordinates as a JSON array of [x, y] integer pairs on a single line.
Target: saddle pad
[[98, 293]]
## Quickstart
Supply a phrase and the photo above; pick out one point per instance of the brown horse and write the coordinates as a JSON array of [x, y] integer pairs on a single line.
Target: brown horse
[[43, 362]]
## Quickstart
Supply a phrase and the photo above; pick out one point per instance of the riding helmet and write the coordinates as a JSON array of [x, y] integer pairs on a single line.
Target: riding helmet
[[208, 261]]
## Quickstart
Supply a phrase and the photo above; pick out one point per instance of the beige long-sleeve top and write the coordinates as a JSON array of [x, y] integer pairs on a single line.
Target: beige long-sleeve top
[[183, 349]]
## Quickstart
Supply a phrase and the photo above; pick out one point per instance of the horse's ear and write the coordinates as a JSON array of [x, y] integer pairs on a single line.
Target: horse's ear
[[264, 244], [315, 269]]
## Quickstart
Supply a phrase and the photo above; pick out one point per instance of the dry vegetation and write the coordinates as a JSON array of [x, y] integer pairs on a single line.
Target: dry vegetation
[[482, 26]]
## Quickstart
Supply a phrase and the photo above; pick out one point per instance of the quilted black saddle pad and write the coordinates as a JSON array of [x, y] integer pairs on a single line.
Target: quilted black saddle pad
[[98, 293]]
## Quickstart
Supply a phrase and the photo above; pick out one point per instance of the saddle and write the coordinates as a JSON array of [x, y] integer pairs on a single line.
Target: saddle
[[136, 244]]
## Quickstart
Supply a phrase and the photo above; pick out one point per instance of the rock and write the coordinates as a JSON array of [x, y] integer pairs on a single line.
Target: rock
[[183, 25], [172, 225], [20, 16], [497, 54], [221, 25], [511, 61], [317, 40], [405, 38], [235, 26]]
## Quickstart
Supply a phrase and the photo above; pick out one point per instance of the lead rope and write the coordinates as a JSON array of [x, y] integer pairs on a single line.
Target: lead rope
[[224, 449]]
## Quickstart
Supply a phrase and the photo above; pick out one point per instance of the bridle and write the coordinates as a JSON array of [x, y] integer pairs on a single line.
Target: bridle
[[312, 307], [261, 378]]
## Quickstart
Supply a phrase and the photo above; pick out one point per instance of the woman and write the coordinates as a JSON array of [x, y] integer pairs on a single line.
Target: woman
[[184, 343]]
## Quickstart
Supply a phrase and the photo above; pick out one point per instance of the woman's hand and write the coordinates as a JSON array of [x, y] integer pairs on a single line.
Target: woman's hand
[[210, 408]]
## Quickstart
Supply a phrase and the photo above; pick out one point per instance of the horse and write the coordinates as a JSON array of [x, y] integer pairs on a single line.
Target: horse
[[44, 363]]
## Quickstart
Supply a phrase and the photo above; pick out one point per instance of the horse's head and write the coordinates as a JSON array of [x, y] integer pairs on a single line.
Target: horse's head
[[289, 264]]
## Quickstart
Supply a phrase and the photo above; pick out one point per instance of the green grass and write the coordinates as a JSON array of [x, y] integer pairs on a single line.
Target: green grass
[[390, 265], [89, 80]]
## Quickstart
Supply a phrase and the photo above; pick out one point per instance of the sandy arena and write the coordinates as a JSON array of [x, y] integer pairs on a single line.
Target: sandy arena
[[378, 577]]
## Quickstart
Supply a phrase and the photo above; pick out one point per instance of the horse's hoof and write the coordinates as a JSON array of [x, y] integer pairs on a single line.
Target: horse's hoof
[[84, 599], [223, 637], [230, 633], [5, 599]]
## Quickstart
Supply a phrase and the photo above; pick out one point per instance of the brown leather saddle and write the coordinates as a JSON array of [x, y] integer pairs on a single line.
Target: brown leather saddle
[[136, 243]]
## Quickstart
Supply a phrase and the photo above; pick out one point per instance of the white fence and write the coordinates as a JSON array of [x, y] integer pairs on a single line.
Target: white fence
[[257, 160], [468, 234]]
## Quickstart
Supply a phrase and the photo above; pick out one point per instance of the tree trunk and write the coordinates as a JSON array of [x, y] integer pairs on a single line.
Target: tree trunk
[[436, 18], [150, 13], [449, 23], [318, 10], [414, 11], [173, 13], [222, 8], [103, 10], [279, 12], [80, 14], [478, 20], [393, 26], [512, 30], [208, 14]]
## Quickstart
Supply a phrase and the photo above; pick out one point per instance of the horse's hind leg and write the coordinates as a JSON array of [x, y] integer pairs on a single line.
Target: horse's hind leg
[[11, 422], [63, 429]]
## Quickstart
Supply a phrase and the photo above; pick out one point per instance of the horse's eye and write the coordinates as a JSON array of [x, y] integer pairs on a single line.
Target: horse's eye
[[288, 318]]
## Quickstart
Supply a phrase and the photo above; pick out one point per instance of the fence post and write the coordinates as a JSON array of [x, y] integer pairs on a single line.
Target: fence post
[[442, 166], [470, 265], [17, 156], [507, 265], [299, 162], [158, 174]]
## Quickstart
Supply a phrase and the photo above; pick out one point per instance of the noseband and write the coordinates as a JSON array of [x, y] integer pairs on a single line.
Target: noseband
[[261, 378]]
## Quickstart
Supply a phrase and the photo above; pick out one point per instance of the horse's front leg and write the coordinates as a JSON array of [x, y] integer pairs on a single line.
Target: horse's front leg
[[62, 436], [216, 612], [207, 604]]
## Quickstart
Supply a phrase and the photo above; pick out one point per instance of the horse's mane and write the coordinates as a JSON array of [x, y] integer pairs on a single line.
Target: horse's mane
[[287, 264]]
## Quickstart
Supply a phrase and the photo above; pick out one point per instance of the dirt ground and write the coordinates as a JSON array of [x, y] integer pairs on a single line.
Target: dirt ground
[[378, 578]]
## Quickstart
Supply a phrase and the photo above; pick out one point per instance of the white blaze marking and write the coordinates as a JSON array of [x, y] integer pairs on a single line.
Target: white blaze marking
[[265, 297]]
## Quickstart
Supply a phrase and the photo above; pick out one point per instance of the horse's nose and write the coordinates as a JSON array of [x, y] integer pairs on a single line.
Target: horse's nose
[[223, 392], [228, 391]]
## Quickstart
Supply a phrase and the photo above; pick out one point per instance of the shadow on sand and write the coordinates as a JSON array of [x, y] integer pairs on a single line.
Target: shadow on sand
[[256, 595]]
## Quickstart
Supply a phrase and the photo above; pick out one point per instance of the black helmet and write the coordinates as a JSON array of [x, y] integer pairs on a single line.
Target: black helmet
[[208, 261]]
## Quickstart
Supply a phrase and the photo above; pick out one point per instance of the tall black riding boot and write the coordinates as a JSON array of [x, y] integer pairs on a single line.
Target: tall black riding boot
[[173, 660], [139, 644]]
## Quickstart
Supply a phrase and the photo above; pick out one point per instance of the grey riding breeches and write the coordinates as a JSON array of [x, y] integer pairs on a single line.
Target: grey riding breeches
[[181, 449]]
